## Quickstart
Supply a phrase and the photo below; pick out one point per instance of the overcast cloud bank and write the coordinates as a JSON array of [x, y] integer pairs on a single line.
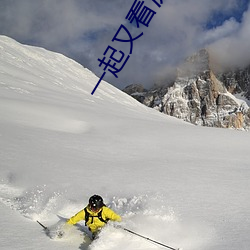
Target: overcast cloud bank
[[83, 30]]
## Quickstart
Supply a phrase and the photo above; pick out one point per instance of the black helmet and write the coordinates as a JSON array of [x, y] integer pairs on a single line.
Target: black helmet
[[96, 202]]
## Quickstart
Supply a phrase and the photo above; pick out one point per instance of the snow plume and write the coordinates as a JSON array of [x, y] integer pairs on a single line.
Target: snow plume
[[36, 203], [147, 215]]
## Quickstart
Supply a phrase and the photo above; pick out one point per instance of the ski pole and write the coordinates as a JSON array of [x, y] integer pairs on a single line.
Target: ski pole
[[146, 238], [45, 228]]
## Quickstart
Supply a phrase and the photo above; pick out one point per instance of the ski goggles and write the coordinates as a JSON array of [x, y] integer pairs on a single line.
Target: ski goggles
[[94, 208]]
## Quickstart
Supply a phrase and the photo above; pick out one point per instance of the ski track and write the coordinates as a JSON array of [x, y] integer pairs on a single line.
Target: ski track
[[144, 214]]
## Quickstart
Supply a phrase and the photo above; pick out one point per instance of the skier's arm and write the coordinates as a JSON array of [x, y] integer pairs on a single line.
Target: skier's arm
[[77, 217], [110, 214]]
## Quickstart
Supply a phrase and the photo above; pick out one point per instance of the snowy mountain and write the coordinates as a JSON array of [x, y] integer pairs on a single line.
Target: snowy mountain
[[201, 95], [182, 185]]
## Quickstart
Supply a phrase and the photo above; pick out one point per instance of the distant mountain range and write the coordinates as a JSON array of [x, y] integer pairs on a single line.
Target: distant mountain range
[[201, 94]]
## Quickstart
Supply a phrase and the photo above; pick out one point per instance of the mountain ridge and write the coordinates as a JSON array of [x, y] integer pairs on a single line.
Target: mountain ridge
[[201, 95]]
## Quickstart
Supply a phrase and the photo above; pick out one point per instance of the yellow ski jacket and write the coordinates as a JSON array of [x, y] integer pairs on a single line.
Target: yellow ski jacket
[[94, 223]]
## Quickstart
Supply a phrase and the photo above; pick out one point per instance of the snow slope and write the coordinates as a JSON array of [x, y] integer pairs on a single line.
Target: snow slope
[[182, 185]]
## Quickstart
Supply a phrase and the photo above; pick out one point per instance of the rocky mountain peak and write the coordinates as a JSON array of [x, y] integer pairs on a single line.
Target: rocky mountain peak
[[196, 64], [200, 96]]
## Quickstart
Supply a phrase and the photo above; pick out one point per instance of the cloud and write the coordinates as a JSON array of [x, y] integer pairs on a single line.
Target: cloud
[[50, 21], [82, 30], [233, 49], [228, 28]]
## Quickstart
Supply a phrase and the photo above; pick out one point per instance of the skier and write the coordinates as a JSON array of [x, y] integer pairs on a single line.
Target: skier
[[95, 214]]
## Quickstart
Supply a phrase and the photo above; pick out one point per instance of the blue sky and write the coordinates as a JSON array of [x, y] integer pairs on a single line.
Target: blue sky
[[219, 17], [83, 29]]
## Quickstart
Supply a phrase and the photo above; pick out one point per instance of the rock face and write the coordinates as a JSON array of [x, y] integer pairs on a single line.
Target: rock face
[[201, 97], [237, 81], [137, 91]]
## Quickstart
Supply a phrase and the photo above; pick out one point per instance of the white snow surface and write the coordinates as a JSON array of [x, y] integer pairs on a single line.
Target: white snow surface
[[185, 186]]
